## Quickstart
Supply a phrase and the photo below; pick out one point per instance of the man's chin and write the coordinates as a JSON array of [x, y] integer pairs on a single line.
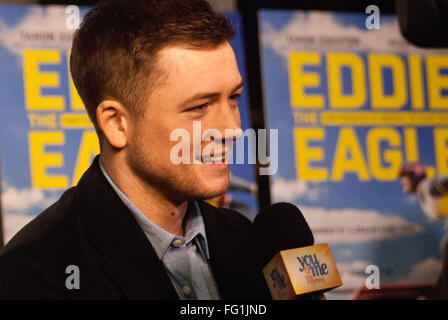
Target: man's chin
[[210, 191]]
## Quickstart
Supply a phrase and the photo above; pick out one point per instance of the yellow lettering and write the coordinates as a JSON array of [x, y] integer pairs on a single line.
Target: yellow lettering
[[441, 150], [391, 156], [35, 80], [88, 149], [40, 160], [348, 143], [415, 79], [336, 96], [305, 154], [377, 62], [305, 117], [299, 80], [37, 120], [436, 81], [75, 98]]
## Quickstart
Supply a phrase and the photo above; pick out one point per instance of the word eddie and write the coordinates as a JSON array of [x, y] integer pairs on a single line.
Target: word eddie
[[220, 149], [310, 263]]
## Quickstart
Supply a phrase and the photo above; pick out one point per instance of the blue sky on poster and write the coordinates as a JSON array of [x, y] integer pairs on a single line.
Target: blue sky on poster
[[20, 202], [403, 241]]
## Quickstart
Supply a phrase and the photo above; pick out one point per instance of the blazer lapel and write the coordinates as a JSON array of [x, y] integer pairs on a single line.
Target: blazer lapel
[[231, 248], [225, 265], [127, 255]]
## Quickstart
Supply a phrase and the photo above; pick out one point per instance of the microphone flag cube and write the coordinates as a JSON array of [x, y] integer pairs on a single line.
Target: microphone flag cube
[[294, 272]]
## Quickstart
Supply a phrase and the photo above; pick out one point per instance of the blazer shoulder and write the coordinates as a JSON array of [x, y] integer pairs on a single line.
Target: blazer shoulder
[[54, 224], [34, 261], [47, 239]]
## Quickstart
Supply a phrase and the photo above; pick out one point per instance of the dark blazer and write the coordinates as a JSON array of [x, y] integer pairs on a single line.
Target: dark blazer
[[91, 228]]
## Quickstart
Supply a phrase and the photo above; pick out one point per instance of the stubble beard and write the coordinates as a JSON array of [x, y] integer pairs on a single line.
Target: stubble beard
[[175, 182]]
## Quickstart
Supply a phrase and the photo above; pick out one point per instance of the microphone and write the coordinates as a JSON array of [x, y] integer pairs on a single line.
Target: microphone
[[293, 267]]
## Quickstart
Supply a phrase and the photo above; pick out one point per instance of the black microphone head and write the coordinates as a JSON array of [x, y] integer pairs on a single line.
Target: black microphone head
[[280, 226]]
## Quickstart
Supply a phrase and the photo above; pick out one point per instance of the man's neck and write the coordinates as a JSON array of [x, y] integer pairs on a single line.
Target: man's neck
[[150, 201]]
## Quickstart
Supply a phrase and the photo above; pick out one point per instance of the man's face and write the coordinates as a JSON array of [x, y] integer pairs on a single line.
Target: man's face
[[407, 184], [199, 85]]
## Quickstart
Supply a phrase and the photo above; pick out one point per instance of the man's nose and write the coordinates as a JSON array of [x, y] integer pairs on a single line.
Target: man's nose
[[228, 121]]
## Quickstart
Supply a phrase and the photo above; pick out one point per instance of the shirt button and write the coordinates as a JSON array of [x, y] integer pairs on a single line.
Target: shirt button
[[177, 243], [186, 290]]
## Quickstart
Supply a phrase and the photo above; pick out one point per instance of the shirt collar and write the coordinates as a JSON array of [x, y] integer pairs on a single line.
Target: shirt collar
[[161, 239], [195, 229]]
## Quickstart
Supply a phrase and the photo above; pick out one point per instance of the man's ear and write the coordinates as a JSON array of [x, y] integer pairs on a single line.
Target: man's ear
[[112, 118]]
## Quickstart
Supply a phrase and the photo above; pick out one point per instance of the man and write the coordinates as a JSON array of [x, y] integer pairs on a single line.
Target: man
[[432, 193], [433, 198], [135, 226]]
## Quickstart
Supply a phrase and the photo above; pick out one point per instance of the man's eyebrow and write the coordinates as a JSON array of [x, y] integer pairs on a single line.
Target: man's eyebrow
[[210, 95], [239, 86]]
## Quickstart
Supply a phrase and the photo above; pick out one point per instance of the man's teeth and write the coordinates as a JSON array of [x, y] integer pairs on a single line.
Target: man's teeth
[[220, 158]]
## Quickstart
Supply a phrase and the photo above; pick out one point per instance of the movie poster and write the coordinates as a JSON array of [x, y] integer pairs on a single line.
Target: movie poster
[[351, 106], [46, 138]]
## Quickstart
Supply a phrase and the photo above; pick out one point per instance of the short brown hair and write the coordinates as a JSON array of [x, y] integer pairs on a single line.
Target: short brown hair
[[114, 53]]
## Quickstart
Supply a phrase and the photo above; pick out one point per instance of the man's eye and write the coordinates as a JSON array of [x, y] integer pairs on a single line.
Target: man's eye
[[199, 108], [235, 96]]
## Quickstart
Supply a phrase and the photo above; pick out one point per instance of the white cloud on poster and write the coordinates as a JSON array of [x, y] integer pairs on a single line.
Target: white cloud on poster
[[41, 27], [21, 200], [17, 203], [290, 190], [353, 274], [348, 225], [12, 223], [320, 31]]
